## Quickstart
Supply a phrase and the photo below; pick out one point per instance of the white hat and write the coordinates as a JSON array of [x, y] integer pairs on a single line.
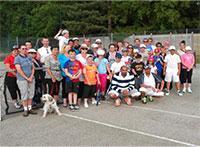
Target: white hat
[[94, 45], [84, 45], [98, 40], [136, 51], [142, 46], [188, 48], [100, 52], [32, 50], [64, 32], [172, 48], [75, 38]]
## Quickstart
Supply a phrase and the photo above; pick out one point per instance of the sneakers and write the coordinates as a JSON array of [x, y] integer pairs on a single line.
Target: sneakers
[[144, 100], [25, 114], [94, 101], [86, 105], [32, 112], [167, 93], [189, 90], [71, 107], [179, 93], [76, 107], [184, 90], [150, 98], [17, 105]]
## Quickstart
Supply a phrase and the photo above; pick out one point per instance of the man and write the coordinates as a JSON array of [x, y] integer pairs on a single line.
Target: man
[[172, 69], [10, 79], [25, 79], [122, 87], [87, 41], [45, 50], [151, 85], [63, 40], [28, 45], [76, 44], [136, 43]]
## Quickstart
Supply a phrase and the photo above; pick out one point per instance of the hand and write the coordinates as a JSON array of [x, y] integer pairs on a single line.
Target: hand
[[99, 83], [53, 80]]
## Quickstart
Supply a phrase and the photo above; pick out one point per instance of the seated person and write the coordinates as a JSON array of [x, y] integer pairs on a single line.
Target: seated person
[[151, 85], [122, 87]]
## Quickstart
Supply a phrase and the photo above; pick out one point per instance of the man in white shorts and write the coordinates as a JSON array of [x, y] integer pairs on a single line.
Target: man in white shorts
[[172, 68]]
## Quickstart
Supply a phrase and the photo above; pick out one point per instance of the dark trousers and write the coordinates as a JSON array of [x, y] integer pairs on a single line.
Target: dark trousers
[[187, 76]]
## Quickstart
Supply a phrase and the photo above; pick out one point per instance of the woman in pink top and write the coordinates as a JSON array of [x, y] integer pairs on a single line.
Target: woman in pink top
[[188, 61]]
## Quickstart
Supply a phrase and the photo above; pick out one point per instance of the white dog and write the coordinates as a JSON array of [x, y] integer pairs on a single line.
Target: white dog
[[49, 105]]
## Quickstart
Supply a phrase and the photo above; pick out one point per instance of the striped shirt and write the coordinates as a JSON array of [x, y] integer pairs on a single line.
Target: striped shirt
[[120, 83]]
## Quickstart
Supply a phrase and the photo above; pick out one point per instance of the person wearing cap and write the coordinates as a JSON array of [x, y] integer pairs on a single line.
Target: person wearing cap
[[53, 73], [10, 78], [122, 87], [151, 63], [103, 67], [188, 61], [111, 54], [116, 66], [125, 57], [82, 58], [39, 77], [76, 46], [25, 79], [93, 50], [143, 51], [63, 39], [99, 43], [90, 81], [172, 68], [158, 62], [150, 85]]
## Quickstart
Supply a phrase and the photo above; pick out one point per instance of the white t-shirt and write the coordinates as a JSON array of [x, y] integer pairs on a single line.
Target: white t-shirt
[[125, 59], [62, 41], [153, 69], [115, 67], [172, 62], [150, 81], [80, 58], [44, 52]]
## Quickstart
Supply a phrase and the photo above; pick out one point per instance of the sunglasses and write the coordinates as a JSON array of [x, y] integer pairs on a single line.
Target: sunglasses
[[24, 48], [32, 53], [84, 48]]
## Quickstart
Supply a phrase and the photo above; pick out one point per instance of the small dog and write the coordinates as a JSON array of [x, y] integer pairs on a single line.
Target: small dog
[[49, 105]]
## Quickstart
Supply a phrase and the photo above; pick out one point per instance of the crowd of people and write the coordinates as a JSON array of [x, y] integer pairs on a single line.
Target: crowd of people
[[123, 71]]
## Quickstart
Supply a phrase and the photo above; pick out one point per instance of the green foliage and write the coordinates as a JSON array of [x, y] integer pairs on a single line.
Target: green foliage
[[34, 18]]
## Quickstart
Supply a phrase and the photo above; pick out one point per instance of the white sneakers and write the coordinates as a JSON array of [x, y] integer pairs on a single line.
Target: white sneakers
[[184, 90], [189, 90], [86, 105]]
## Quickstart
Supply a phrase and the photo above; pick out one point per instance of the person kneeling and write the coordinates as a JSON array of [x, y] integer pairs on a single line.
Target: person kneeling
[[122, 87], [151, 85]]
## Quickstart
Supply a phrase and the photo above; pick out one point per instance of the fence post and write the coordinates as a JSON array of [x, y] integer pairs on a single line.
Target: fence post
[[192, 40], [111, 37], [170, 37], [17, 40], [186, 35]]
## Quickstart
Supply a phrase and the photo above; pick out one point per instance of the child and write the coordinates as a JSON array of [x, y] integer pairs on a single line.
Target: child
[[103, 67], [91, 79], [151, 65], [73, 70], [116, 66], [125, 57]]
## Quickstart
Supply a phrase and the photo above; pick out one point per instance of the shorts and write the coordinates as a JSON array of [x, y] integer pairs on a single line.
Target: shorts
[[150, 92], [171, 76], [89, 91], [80, 92], [72, 87], [27, 89]]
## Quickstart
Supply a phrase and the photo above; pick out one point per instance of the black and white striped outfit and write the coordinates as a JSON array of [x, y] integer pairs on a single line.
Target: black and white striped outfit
[[120, 83]]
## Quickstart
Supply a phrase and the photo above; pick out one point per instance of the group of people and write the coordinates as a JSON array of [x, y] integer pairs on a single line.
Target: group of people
[[86, 71]]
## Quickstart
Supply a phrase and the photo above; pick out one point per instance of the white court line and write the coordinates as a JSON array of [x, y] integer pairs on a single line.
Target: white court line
[[164, 111], [129, 130]]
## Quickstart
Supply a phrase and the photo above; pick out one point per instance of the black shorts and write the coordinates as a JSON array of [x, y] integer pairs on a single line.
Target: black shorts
[[72, 87], [89, 91]]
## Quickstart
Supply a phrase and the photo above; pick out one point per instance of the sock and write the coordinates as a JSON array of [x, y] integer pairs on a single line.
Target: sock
[[29, 107], [25, 108]]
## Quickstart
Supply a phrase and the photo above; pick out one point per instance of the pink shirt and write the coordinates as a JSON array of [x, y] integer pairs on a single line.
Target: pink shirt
[[187, 60]]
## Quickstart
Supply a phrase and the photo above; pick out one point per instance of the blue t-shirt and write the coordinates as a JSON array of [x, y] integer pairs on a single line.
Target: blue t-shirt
[[26, 65], [102, 65], [62, 59]]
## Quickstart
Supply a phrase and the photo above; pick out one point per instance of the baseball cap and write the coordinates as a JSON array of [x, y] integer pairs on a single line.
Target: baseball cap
[[124, 50], [156, 50], [94, 45], [84, 46], [142, 46], [172, 48], [15, 47], [151, 59], [147, 67], [98, 41], [118, 55], [75, 38], [188, 48], [32, 50]]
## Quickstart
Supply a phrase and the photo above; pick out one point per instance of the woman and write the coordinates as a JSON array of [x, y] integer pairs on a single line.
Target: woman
[[25, 79], [10, 79], [188, 61], [39, 77], [53, 73], [110, 56], [63, 58], [82, 57]]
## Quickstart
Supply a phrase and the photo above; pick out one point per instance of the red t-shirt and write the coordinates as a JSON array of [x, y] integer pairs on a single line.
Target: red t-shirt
[[10, 60]]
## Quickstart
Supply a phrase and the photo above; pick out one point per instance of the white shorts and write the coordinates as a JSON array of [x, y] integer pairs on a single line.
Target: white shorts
[[133, 93], [171, 76], [27, 89], [150, 92]]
